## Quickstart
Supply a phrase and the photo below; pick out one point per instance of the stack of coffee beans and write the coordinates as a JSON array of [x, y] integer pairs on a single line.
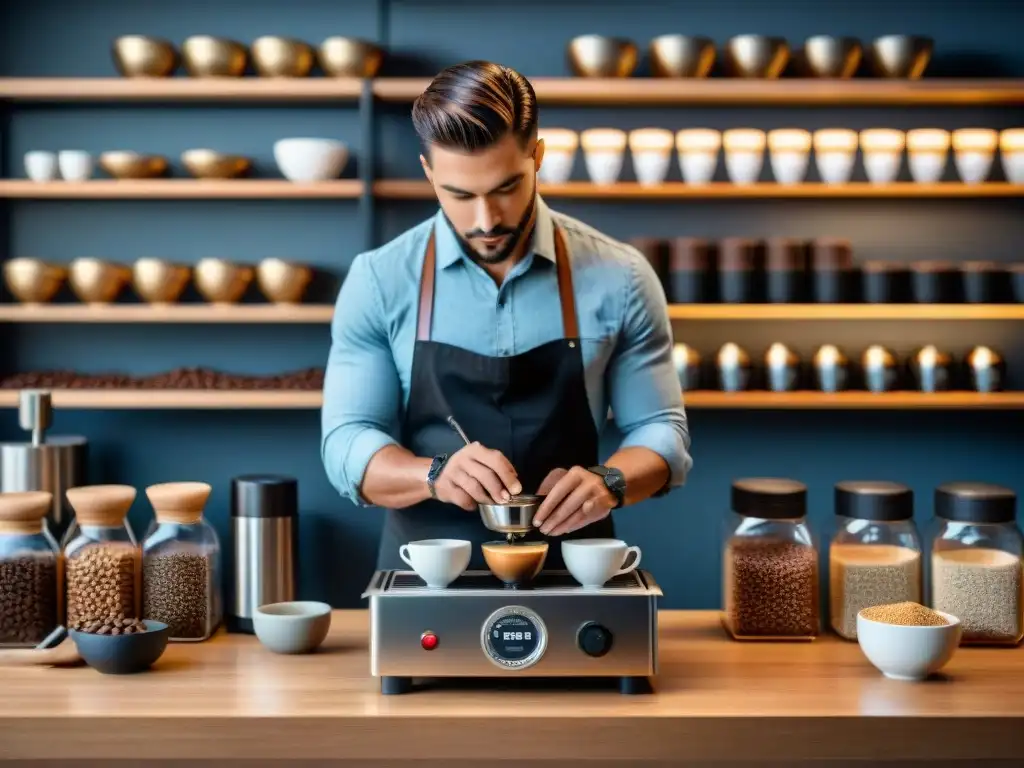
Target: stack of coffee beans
[[310, 379], [177, 590], [111, 627], [28, 599], [102, 584]]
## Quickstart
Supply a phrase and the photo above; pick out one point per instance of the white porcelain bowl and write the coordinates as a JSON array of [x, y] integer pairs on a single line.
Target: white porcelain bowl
[[294, 627], [305, 160], [907, 652]]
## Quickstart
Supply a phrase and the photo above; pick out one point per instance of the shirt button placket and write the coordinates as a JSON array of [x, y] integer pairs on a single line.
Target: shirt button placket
[[504, 326]]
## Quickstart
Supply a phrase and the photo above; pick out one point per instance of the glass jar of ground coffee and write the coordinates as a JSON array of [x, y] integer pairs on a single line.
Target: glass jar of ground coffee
[[101, 558], [875, 553], [976, 562], [770, 585], [29, 570], [181, 563]]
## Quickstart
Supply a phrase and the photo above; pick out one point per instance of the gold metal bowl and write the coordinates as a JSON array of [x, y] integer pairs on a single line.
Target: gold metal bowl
[[600, 56], [349, 57], [281, 57], [131, 165], [33, 281], [206, 56], [142, 56], [210, 164], [220, 281], [95, 281], [831, 57], [283, 282], [756, 56], [901, 56], [159, 282], [681, 56]]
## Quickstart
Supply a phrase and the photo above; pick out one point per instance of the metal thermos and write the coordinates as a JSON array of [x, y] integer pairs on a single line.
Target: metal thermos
[[264, 533], [51, 464]]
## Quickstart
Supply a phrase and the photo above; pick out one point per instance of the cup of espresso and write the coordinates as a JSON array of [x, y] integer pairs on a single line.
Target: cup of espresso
[[592, 562], [438, 562], [515, 564]]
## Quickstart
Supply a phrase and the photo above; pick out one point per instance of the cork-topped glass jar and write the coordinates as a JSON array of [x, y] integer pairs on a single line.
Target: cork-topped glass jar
[[771, 563], [102, 559], [29, 570], [181, 563], [875, 553], [976, 562]]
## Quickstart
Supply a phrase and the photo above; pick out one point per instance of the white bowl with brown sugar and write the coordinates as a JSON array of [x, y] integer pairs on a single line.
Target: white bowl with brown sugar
[[907, 641]]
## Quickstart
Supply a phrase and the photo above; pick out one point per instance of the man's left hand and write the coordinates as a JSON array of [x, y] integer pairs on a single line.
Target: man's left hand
[[574, 498]]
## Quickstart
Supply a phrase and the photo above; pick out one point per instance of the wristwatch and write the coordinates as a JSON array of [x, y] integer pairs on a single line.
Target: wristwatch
[[434, 472], [614, 481]]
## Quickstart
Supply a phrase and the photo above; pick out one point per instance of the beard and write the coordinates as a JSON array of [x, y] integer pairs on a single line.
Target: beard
[[514, 236]]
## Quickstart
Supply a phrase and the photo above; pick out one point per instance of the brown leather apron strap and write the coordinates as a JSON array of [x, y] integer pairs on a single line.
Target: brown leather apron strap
[[570, 329]]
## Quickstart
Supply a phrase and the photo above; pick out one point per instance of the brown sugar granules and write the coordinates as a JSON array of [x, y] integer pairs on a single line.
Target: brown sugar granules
[[771, 589], [905, 615]]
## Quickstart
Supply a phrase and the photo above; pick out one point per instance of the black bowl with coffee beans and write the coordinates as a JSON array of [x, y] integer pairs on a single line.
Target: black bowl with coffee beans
[[120, 646]]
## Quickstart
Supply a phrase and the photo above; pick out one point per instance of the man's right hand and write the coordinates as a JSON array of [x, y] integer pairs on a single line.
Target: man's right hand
[[477, 475]]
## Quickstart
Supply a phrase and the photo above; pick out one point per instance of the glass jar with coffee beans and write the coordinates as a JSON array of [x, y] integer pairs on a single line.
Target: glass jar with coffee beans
[[102, 559], [29, 570], [770, 585], [181, 563]]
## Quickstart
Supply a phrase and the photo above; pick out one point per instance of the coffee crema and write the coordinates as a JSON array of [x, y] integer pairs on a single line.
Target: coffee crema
[[515, 564]]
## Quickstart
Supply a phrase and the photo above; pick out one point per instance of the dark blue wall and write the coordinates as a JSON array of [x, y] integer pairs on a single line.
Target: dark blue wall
[[679, 534]]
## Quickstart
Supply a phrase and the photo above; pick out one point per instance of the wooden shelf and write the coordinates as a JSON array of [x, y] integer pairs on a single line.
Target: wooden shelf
[[414, 189], [142, 399], [95, 89], [846, 311], [639, 91], [178, 189], [174, 313]]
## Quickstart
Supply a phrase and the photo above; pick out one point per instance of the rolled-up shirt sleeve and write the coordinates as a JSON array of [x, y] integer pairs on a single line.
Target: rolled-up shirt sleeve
[[362, 391], [644, 389]]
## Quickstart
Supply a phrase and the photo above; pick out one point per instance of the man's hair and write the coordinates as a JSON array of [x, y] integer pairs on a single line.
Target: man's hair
[[473, 105]]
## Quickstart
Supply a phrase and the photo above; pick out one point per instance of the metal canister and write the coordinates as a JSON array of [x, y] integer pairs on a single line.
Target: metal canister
[[264, 545], [45, 463]]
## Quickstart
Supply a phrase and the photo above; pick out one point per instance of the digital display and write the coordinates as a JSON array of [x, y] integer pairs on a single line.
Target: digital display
[[513, 639]]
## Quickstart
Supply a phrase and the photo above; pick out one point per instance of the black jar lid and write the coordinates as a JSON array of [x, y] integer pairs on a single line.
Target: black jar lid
[[771, 498], [264, 496], [975, 503], [874, 500]]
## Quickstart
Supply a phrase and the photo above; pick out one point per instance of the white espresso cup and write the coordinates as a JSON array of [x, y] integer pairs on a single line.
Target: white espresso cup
[[438, 562], [41, 165], [592, 562], [74, 164]]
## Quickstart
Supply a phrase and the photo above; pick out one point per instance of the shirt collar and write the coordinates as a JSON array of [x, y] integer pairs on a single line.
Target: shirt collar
[[449, 250]]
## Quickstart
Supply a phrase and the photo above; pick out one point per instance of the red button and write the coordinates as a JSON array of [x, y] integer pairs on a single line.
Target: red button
[[428, 640]]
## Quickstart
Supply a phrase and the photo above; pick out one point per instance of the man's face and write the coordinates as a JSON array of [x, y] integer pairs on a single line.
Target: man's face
[[488, 196]]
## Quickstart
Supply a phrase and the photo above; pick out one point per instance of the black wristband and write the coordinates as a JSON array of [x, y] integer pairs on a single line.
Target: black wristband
[[434, 472]]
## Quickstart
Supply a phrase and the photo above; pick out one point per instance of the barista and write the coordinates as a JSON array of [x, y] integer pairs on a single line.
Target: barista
[[521, 322]]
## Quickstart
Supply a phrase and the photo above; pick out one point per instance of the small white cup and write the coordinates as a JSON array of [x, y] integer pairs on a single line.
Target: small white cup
[[697, 149], [883, 154], [744, 154], [592, 562], [835, 150], [438, 562], [1011, 154], [651, 149], [927, 149], [604, 150], [75, 164], [560, 145], [41, 165], [974, 150], [789, 151]]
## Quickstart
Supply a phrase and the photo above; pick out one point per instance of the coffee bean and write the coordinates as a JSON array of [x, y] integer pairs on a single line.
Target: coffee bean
[[771, 588], [177, 591], [28, 599], [102, 584], [310, 379]]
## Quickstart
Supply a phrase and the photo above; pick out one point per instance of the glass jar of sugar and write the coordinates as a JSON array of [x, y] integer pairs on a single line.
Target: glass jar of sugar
[[875, 553], [976, 561], [770, 584]]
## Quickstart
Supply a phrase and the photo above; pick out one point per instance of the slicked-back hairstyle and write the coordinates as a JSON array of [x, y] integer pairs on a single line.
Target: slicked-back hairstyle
[[473, 105]]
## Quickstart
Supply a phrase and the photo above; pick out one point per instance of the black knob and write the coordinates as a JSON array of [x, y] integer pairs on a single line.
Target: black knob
[[594, 640]]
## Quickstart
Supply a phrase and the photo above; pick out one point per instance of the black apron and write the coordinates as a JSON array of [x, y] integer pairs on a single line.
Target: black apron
[[533, 407]]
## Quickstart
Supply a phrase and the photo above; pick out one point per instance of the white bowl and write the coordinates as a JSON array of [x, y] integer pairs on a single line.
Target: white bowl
[[907, 652], [293, 627], [305, 160]]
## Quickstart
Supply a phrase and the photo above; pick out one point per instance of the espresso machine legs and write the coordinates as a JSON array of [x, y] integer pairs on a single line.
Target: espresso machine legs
[[393, 686], [634, 686]]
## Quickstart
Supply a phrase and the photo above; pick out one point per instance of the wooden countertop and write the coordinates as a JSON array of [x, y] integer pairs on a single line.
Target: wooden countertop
[[715, 699]]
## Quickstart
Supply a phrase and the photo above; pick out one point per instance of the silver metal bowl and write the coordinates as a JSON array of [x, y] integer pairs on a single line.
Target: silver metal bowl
[[833, 57], [516, 516], [756, 56], [600, 56], [901, 56], [681, 56]]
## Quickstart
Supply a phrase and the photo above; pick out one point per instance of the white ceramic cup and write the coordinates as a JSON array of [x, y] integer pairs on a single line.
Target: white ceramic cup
[[927, 150], [882, 149], [592, 562], [697, 150], [438, 562], [1011, 154], [75, 164], [604, 150], [560, 145], [744, 154], [789, 153], [974, 152], [651, 149], [41, 165], [835, 151]]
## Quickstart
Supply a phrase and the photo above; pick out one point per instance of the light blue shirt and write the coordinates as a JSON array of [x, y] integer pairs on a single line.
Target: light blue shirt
[[623, 323]]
